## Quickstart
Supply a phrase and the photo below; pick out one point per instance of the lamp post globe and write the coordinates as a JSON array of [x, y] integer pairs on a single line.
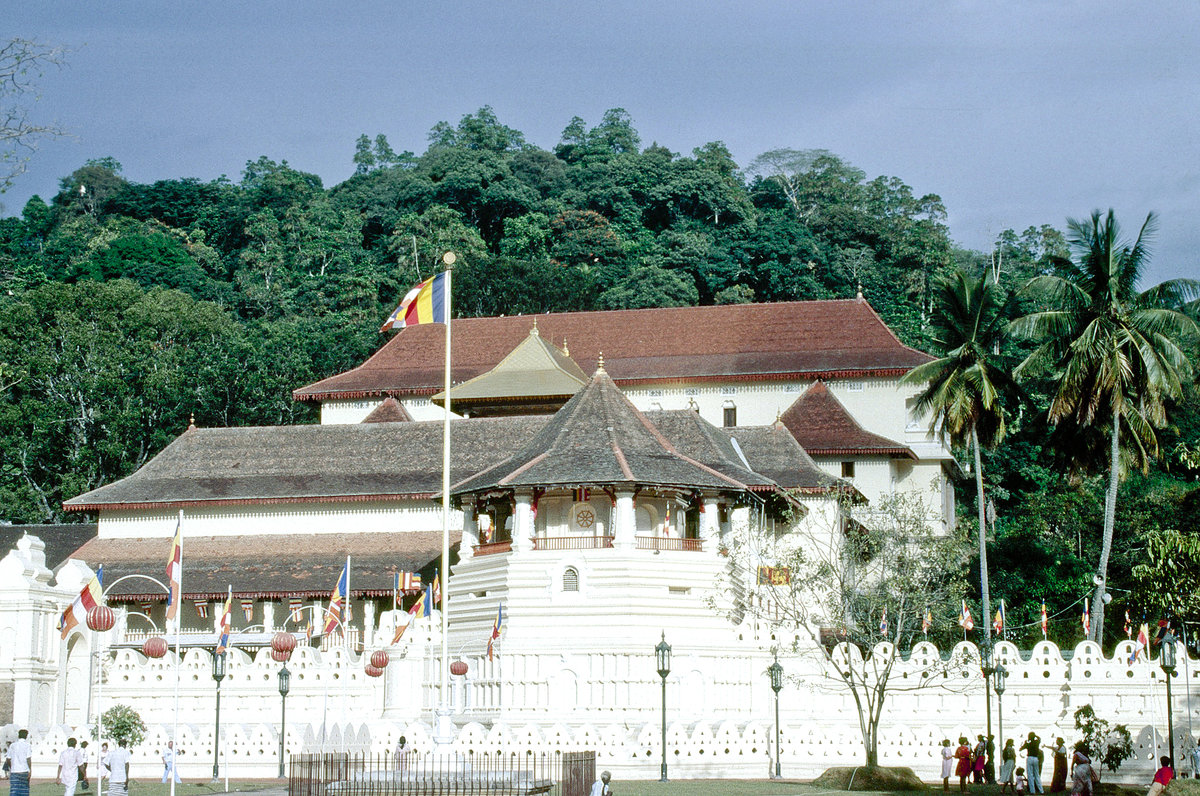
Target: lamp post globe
[[775, 672], [662, 657], [1167, 662]]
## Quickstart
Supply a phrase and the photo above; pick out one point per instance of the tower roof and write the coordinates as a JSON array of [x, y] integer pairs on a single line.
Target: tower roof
[[773, 451], [390, 411], [823, 427]]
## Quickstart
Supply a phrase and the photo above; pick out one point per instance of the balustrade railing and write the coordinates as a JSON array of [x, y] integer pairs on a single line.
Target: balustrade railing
[[669, 543], [491, 548], [572, 542]]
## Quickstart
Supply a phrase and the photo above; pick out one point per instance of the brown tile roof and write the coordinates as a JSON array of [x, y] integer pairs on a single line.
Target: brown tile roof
[[823, 427], [293, 565], [390, 411], [773, 451], [60, 540], [287, 464], [803, 339], [600, 438]]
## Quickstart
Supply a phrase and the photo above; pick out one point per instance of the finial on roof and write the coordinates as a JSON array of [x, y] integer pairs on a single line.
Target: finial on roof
[[778, 415], [566, 351], [600, 363], [695, 407], [534, 331], [192, 422], [860, 291]]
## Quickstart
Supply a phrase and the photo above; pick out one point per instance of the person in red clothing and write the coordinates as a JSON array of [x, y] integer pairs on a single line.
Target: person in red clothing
[[1162, 777], [963, 769]]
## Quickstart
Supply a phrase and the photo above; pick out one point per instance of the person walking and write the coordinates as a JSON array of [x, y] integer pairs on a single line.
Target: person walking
[[1033, 762], [947, 763], [1083, 776], [978, 759], [169, 768], [600, 787], [1058, 783], [963, 769], [1008, 763], [68, 768], [83, 764], [117, 763], [20, 765]]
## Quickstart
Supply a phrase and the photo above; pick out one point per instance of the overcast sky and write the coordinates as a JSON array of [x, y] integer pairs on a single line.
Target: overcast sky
[[1015, 113]]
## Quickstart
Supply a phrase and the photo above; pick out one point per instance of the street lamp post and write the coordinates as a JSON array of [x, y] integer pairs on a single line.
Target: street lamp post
[[775, 671], [662, 654], [1001, 674], [988, 670], [1167, 662], [285, 678], [218, 674]]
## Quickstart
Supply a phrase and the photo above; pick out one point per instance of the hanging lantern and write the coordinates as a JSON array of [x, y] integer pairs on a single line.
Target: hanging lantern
[[280, 655], [458, 668], [379, 659], [154, 647], [101, 618], [372, 671], [283, 642]]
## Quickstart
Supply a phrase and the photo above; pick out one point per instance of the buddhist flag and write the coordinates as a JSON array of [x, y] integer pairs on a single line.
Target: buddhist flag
[[491, 648], [337, 601], [927, 622], [226, 623], [437, 591], [295, 604], [1045, 622], [202, 608], [425, 303], [998, 622], [1086, 619], [1143, 641], [883, 625], [248, 610], [91, 596], [964, 618], [175, 572]]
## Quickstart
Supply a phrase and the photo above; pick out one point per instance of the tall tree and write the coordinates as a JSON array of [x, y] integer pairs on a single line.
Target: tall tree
[[22, 63], [966, 389], [1116, 355]]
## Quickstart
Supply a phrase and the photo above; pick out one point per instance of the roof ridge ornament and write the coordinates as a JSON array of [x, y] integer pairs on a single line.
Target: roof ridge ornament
[[566, 351], [860, 295], [600, 363], [534, 331], [192, 422]]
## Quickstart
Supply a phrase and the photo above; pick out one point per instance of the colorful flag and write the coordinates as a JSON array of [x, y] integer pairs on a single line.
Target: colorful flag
[[295, 603], [927, 622], [491, 648], [226, 623], [1128, 625], [308, 631], [883, 626], [667, 521], [147, 606], [425, 303], [964, 618], [998, 622], [1143, 641], [1164, 627], [337, 601], [1086, 619], [581, 494], [175, 572], [1045, 622], [248, 610], [89, 597], [437, 590], [202, 608]]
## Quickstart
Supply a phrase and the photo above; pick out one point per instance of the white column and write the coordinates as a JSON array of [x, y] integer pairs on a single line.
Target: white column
[[470, 533], [625, 522], [522, 530], [709, 518], [268, 609], [368, 622]]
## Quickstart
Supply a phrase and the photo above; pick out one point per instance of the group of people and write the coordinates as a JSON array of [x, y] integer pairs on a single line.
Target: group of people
[[72, 771]]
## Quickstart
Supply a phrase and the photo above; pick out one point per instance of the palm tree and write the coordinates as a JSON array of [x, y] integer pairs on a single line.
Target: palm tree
[[1116, 355], [965, 390]]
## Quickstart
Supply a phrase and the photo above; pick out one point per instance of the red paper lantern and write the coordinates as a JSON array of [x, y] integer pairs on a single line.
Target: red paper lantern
[[379, 659], [281, 656], [154, 647], [458, 668], [101, 618], [372, 671], [283, 642]]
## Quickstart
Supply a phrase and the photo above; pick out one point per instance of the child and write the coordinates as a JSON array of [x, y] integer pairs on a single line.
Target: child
[[1162, 777], [1020, 782]]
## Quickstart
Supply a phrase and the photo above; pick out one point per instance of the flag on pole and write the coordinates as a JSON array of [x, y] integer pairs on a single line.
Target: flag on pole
[[998, 622], [437, 590], [1143, 641], [927, 622], [491, 648], [1086, 619], [1128, 625], [1045, 622], [226, 623], [964, 618], [337, 601], [883, 626], [308, 631], [175, 572], [425, 303], [89, 597], [248, 610]]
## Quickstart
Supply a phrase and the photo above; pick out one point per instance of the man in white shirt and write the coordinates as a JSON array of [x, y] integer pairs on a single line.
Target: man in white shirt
[[20, 756], [68, 768], [600, 787], [168, 758], [117, 763]]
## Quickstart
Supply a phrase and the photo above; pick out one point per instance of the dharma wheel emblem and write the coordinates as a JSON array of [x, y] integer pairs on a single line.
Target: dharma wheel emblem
[[585, 518]]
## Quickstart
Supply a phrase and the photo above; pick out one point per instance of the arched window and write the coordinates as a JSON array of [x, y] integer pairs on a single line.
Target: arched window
[[570, 579]]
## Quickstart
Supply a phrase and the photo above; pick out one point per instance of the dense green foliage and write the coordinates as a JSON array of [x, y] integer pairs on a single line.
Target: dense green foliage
[[126, 308], [123, 723]]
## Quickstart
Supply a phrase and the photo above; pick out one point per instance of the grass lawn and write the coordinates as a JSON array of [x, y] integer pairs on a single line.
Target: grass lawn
[[152, 787]]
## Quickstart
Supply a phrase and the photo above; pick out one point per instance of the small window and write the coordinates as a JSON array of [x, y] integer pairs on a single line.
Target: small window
[[570, 579], [729, 416], [847, 469], [854, 386]]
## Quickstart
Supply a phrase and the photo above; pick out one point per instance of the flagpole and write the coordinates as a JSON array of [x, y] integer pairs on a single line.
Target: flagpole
[[448, 259], [178, 633], [346, 648]]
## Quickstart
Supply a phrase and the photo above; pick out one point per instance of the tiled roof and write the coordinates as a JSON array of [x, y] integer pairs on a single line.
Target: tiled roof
[[390, 411], [334, 463], [533, 372], [696, 438], [60, 540], [600, 438], [773, 451], [803, 339], [292, 565], [823, 427]]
